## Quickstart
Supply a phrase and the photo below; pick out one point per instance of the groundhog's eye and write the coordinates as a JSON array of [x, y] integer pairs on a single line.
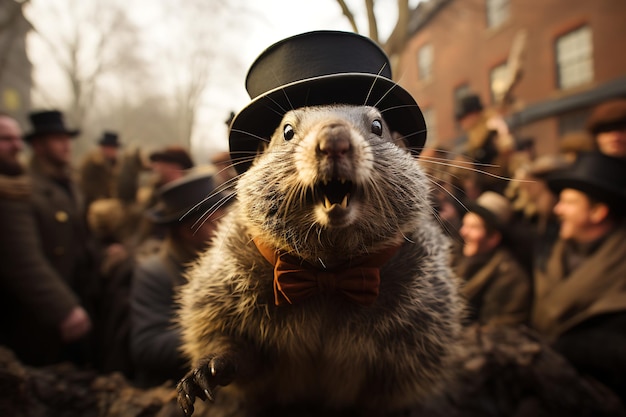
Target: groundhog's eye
[[377, 127], [288, 132]]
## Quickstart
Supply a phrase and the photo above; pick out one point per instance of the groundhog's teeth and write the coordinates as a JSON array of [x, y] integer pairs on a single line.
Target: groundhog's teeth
[[344, 203]]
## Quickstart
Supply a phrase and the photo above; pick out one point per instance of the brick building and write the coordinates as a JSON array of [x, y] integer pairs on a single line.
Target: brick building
[[573, 60]]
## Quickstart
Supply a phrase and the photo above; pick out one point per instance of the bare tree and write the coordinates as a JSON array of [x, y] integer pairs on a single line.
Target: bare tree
[[396, 41], [95, 39]]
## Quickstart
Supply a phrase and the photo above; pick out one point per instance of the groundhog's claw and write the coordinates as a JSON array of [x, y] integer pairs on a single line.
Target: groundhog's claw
[[202, 382]]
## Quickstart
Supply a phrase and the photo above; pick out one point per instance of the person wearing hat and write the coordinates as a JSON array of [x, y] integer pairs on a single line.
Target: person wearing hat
[[170, 163], [99, 168], [45, 313], [489, 142], [189, 208], [607, 123], [580, 296], [496, 285]]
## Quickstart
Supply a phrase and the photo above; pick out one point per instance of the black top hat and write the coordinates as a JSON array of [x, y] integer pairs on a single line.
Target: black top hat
[[46, 123], [600, 176], [317, 68], [109, 139], [468, 104], [189, 197]]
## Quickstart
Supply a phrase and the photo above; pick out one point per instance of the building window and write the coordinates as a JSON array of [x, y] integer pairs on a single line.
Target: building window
[[425, 62], [497, 12], [498, 79], [574, 58], [431, 126]]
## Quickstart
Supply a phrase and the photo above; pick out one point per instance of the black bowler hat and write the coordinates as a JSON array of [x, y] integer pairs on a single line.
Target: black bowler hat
[[600, 176], [318, 68], [109, 139], [48, 122], [189, 197], [468, 104]]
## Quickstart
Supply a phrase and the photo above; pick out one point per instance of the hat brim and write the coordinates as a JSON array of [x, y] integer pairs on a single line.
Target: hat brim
[[255, 124], [71, 133], [557, 182]]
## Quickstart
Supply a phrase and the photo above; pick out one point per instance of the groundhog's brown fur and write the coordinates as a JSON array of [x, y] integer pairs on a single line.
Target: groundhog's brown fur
[[324, 352]]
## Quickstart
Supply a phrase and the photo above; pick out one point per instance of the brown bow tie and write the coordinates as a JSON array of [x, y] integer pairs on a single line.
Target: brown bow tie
[[296, 280]]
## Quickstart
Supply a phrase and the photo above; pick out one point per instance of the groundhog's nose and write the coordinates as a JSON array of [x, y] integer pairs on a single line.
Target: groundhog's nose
[[334, 140]]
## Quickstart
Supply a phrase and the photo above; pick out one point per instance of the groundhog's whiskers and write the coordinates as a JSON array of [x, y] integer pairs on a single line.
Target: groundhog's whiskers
[[367, 98]]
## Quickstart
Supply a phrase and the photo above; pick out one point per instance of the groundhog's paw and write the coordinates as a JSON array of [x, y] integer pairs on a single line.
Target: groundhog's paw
[[203, 381]]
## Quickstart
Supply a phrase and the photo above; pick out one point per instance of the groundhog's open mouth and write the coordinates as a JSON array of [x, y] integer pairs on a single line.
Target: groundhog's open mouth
[[334, 192]]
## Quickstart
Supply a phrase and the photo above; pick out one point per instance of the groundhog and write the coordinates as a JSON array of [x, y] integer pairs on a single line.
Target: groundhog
[[332, 195]]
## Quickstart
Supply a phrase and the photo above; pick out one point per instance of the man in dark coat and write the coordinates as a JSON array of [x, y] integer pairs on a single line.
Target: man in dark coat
[[40, 313], [59, 209], [99, 169], [580, 296], [155, 340], [496, 286]]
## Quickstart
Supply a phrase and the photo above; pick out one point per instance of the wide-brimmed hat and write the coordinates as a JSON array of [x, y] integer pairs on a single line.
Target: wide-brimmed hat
[[600, 176], [318, 68], [189, 197], [469, 103], [175, 155], [109, 139], [48, 122], [494, 208], [610, 115]]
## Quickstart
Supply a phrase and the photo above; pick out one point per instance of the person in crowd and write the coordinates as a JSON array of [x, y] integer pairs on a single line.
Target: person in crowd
[[607, 124], [167, 165], [99, 169], [489, 142], [496, 286], [42, 317], [534, 205], [189, 208], [580, 296]]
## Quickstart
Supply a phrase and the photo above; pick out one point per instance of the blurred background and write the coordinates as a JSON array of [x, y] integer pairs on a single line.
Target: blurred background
[[164, 71]]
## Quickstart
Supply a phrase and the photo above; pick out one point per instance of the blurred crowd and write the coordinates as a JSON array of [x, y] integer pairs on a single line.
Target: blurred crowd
[[91, 255], [540, 240]]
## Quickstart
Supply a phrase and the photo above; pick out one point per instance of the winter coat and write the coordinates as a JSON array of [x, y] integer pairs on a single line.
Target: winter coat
[[34, 296], [58, 208], [583, 314], [596, 287], [497, 288], [155, 339]]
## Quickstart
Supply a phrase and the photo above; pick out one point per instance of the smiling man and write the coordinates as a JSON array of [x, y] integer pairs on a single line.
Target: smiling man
[[580, 296], [495, 284]]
